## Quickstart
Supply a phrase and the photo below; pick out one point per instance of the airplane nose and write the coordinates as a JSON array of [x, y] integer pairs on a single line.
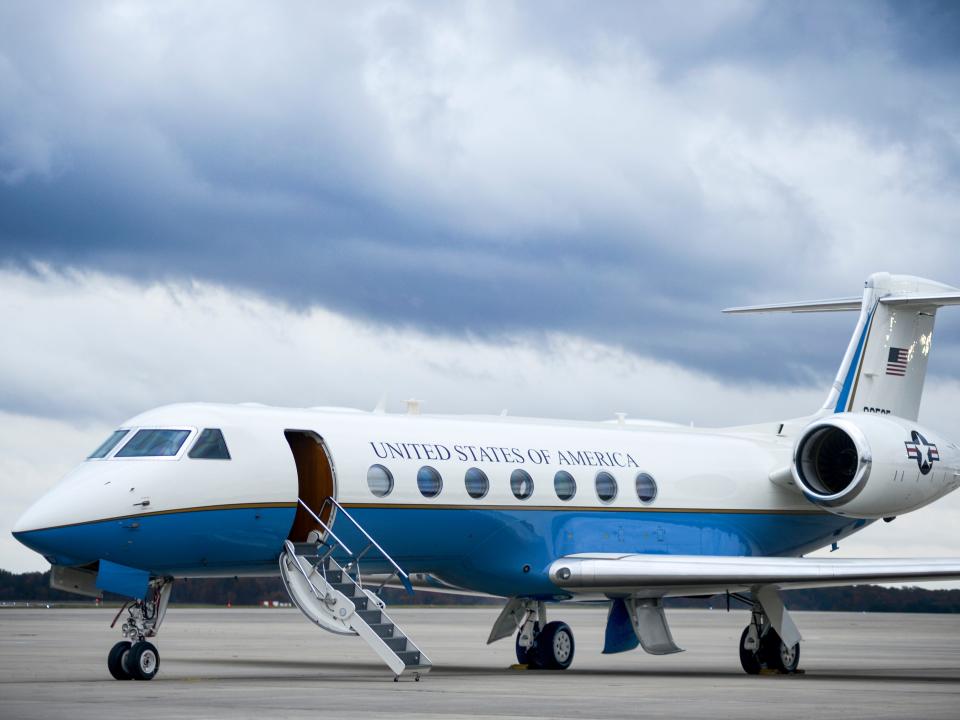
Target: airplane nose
[[30, 531], [43, 528]]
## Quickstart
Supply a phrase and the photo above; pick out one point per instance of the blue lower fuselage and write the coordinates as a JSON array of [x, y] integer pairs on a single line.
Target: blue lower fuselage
[[502, 551]]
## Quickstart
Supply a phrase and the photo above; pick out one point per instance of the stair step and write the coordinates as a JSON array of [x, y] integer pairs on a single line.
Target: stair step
[[409, 657], [384, 630], [397, 644], [347, 588], [372, 616]]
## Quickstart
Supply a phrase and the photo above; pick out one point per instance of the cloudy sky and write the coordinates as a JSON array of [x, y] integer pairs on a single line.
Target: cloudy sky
[[484, 205]]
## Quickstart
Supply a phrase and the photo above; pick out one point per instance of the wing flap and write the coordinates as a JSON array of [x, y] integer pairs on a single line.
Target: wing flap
[[664, 575]]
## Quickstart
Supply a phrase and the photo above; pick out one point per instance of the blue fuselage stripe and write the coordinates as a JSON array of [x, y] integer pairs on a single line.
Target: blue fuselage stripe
[[500, 551]]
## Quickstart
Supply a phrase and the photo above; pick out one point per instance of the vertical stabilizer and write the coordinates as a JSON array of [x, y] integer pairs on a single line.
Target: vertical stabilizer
[[885, 365]]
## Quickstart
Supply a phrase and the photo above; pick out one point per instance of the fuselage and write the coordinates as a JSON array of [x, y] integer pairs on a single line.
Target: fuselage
[[472, 520]]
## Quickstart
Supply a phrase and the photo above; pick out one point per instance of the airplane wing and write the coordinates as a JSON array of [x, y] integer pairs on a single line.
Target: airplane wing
[[679, 575]]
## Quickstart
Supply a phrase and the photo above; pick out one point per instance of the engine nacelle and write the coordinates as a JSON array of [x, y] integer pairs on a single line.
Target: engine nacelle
[[872, 466]]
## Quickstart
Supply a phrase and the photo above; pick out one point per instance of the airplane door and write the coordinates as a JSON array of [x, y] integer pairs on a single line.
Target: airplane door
[[315, 482]]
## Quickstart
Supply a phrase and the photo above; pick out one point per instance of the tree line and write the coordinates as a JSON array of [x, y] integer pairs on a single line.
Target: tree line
[[35, 587]]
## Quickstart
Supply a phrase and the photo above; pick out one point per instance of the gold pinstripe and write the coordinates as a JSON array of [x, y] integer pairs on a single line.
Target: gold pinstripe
[[202, 508]]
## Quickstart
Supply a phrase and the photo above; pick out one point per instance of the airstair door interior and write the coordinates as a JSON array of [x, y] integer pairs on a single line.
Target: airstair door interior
[[315, 481]]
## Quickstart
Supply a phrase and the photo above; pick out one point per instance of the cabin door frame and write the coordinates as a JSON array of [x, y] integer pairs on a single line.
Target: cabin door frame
[[316, 481]]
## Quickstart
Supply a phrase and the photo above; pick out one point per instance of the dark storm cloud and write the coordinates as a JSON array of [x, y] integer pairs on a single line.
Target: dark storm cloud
[[614, 172]]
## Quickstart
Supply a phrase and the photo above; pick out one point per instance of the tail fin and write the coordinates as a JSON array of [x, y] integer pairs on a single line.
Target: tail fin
[[885, 365]]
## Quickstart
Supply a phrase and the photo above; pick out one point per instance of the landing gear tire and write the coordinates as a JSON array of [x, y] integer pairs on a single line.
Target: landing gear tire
[[527, 655], [771, 655], [749, 659], [143, 661], [554, 647], [115, 660], [778, 656]]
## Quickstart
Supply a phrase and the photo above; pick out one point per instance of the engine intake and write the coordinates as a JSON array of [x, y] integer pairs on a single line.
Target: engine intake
[[832, 461]]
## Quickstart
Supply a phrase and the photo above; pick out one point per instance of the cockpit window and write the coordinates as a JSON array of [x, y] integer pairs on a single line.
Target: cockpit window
[[154, 443], [109, 444], [210, 446]]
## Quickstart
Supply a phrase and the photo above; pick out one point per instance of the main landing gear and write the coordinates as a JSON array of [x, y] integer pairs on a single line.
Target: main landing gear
[[134, 658], [543, 645], [761, 648]]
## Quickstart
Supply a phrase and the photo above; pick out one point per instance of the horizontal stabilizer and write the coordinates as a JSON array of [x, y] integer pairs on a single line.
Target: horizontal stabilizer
[[834, 305], [928, 299]]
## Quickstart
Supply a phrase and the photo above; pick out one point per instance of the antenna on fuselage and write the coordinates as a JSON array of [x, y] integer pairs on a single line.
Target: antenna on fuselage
[[381, 407], [413, 407]]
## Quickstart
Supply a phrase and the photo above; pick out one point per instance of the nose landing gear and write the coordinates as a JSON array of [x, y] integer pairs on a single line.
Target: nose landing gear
[[135, 658]]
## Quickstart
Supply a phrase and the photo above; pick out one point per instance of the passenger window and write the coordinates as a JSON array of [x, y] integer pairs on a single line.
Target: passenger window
[[154, 443], [477, 483], [379, 480], [646, 488], [429, 481], [109, 444], [521, 483], [210, 446], [606, 486], [565, 485]]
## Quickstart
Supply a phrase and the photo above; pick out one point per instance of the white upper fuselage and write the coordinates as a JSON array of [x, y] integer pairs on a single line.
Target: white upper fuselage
[[694, 469]]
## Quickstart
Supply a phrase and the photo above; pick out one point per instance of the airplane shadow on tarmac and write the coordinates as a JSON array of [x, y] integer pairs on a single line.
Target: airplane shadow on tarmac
[[375, 672]]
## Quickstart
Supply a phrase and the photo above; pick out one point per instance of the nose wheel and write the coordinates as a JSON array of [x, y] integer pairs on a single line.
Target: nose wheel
[[133, 661], [116, 660]]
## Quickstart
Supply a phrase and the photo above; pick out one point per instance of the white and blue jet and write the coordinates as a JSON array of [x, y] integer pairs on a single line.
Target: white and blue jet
[[539, 512]]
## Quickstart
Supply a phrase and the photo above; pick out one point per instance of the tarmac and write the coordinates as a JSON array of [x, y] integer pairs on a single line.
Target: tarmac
[[272, 663]]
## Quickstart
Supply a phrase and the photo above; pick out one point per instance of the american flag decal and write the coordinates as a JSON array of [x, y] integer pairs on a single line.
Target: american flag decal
[[897, 362]]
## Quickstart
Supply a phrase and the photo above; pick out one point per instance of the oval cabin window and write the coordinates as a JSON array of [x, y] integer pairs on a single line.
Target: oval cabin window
[[565, 485], [429, 481], [476, 482], [521, 483], [606, 486], [646, 487], [379, 480]]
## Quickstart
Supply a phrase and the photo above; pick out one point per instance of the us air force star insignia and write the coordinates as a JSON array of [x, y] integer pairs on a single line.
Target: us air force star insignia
[[923, 452]]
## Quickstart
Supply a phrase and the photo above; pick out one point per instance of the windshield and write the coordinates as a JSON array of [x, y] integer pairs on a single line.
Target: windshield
[[154, 443], [109, 444]]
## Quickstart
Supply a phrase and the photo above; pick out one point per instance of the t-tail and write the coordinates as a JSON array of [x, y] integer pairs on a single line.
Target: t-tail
[[885, 365]]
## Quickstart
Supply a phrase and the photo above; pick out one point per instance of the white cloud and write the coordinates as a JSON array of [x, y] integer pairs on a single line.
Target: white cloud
[[84, 351]]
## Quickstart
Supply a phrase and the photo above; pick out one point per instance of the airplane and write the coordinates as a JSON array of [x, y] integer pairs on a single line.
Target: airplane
[[343, 503]]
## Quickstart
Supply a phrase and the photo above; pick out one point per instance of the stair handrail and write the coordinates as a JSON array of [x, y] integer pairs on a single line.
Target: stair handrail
[[326, 527], [405, 579]]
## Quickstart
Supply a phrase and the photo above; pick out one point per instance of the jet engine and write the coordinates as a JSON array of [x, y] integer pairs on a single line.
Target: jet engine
[[872, 466]]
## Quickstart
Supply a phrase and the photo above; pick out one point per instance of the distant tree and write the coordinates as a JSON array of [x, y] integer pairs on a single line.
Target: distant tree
[[35, 587]]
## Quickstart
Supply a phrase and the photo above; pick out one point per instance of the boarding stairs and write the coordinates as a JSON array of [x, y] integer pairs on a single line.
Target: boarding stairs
[[334, 597]]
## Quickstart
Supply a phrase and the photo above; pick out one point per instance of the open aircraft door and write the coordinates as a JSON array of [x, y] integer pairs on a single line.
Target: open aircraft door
[[316, 483]]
